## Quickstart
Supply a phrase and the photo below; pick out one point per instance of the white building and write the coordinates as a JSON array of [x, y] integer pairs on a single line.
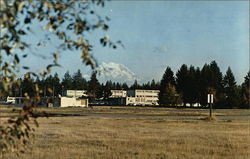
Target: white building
[[73, 98], [75, 93], [73, 102], [118, 93], [134, 97], [11, 100], [142, 97], [18, 101], [118, 97]]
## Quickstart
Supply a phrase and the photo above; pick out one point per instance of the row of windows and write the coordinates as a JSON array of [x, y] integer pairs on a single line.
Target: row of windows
[[149, 91], [152, 101], [146, 96]]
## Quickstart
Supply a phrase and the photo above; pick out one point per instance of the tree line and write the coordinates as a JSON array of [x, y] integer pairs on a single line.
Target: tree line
[[191, 85], [53, 86]]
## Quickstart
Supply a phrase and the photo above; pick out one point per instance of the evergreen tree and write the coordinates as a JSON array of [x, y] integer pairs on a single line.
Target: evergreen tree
[[49, 86], [231, 90], [109, 84], [135, 85], [78, 82], [146, 85], [181, 83], [15, 90], [153, 84], [67, 81], [113, 85], [216, 82], [124, 86], [197, 85], [245, 92], [192, 94], [27, 86], [100, 92], [211, 81], [205, 84], [157, 85], [57, 88], [93, 87], [118, 86], [167, 88], [168, 77], [40, 85], [106, 92], [168, 96], [216, 77]]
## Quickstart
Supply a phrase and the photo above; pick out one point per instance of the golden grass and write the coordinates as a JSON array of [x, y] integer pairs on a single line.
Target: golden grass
[[160, 137], [208, 118], [109, 138]]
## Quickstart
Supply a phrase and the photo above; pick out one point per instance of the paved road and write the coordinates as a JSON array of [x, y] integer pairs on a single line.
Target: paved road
[[138, 116], [139, 113]]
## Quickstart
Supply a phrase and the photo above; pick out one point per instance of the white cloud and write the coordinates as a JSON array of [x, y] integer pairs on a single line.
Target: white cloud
[[115, 71]]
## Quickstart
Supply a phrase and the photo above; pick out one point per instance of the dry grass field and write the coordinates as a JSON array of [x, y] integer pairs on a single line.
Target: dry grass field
[[159, 137]]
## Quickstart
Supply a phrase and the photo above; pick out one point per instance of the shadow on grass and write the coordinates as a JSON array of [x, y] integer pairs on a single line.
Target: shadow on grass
[[44, 114]]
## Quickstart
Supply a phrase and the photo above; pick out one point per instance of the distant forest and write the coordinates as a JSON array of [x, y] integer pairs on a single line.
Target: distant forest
[[188, 85]]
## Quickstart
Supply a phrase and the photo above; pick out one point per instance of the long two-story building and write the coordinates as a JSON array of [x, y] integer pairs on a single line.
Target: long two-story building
[[134, 97]]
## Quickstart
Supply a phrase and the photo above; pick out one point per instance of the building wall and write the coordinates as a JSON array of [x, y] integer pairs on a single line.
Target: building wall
[[18, 101], [118, 93], [75, 93], [73, 102], [130, 97], [143, 97], [11, 100], [130, 101]]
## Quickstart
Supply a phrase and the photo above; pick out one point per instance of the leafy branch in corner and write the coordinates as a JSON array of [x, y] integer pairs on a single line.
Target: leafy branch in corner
[[66, 20]]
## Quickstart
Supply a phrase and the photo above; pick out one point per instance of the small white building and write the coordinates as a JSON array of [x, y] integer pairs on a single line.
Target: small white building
[[11, 100], [15, 100], [73, 102]]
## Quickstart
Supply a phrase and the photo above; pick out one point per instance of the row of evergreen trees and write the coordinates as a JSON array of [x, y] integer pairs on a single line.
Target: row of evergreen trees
[[54, 86], [191, 85]]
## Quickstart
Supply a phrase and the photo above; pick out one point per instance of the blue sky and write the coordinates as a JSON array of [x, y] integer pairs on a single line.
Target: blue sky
[[157, 34]]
